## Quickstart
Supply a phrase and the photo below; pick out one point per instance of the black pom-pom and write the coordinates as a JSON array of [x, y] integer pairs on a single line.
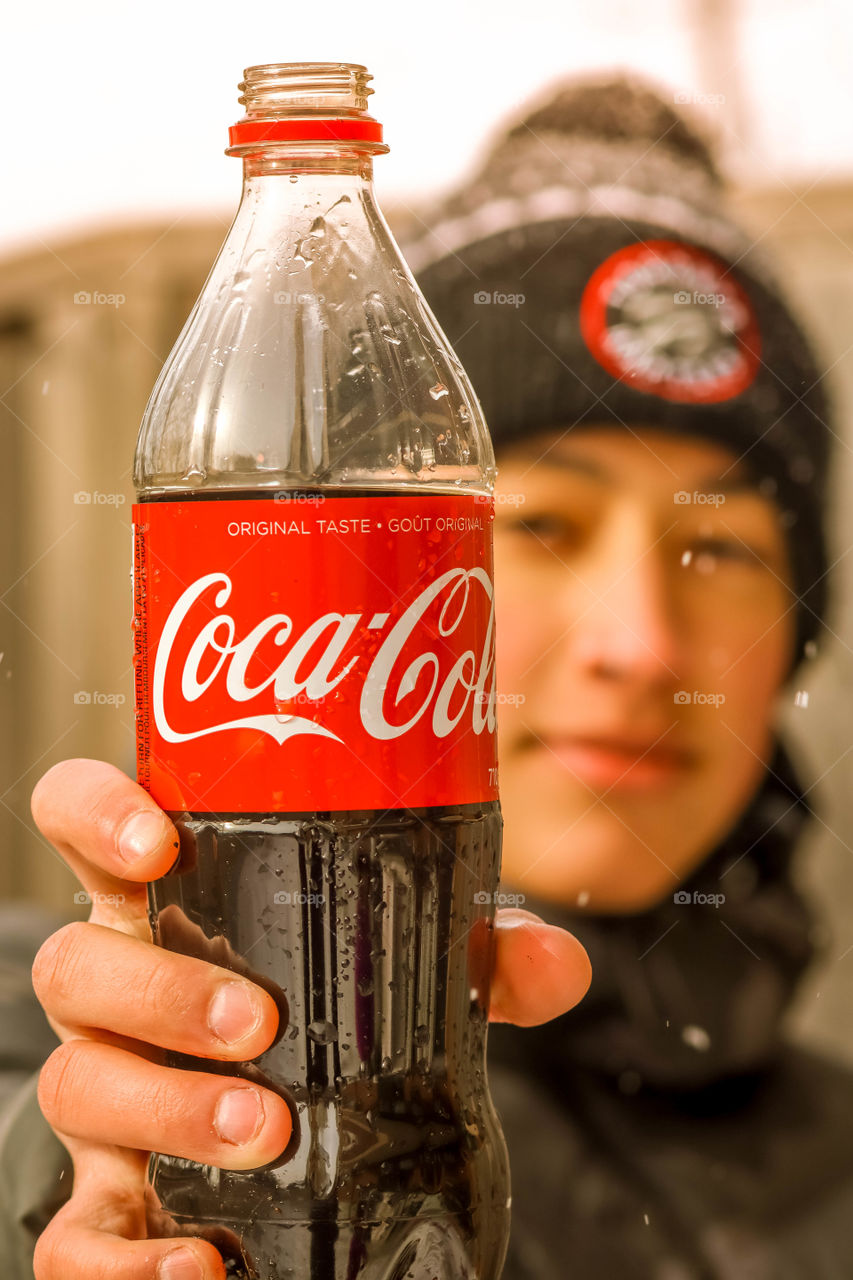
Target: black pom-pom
[[619, 109]]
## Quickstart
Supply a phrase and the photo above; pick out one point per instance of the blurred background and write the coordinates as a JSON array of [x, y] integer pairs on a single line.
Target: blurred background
[[117, 196]]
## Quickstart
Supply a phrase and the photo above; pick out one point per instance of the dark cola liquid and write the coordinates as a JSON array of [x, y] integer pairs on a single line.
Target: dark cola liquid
[[372, 933]]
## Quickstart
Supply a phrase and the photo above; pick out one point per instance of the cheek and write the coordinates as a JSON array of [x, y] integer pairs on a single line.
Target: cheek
[[746, 667], [513, 658], [751, 689], [740, 643], [522, 625], [514, 650]]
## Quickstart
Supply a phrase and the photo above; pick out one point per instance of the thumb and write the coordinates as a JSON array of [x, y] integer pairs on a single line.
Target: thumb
[[110, 833], [540, 970]]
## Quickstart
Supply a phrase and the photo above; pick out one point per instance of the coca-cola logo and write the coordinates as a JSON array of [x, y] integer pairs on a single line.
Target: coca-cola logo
[[344, 660], [202, 653]]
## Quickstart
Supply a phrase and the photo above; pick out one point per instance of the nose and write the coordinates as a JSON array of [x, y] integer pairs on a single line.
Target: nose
[[624, 625]]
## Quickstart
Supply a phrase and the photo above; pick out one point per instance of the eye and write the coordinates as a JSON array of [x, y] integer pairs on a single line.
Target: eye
[[544, 526], [707, 553]]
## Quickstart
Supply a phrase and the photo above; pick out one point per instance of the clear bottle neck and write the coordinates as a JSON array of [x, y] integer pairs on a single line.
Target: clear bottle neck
[[306, 213], [280, 184], [305, 117], [284, 162]]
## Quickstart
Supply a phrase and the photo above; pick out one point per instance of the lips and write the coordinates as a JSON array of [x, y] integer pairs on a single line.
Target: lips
[[618, 762]]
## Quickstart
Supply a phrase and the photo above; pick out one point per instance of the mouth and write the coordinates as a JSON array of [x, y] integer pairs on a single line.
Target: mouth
[[618, 763]]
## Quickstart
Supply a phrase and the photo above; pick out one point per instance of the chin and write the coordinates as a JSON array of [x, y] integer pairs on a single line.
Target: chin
[[599, 899], [560, 846], [591, 863]]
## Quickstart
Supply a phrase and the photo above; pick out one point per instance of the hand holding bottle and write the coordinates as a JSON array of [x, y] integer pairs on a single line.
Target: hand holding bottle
[[116, 1001]]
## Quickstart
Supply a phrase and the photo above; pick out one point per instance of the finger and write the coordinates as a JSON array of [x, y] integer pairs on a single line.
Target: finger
[[74, 1253], [70, 1250], [115, 1226], [104, 825], [90, 976], [95, 1091], [540, 971]]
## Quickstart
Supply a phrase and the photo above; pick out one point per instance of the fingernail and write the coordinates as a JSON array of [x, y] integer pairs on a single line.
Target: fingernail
[[141, 835], [239, 1115], [515, 917], [234, 1012], [180, 1264]]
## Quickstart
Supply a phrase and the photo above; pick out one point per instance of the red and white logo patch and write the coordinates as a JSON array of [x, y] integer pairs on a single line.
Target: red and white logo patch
[[670, 319]]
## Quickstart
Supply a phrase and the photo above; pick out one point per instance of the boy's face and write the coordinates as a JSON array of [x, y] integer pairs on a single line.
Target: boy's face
[[645, 623]]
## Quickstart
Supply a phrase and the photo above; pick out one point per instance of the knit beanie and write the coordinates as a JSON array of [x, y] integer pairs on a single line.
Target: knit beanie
[[588, 273]]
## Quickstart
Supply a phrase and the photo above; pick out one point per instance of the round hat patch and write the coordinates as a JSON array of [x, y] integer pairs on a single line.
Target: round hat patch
[[670, 319]]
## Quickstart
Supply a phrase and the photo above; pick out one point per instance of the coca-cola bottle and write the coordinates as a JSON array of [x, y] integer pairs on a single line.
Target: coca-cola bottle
[[314, 667]]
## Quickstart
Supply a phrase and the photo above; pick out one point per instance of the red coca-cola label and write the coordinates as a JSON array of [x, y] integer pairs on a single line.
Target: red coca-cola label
[[296, 653]]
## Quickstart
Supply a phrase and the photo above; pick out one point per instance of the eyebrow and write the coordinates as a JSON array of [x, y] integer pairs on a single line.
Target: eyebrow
[[730, 484], [569, 462]]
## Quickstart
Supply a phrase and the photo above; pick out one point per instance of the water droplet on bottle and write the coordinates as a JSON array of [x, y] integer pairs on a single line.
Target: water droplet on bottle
[[438, 391], [421, 1034], [365, 987], [697, 1038], [294, 177], [322, 1032]]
